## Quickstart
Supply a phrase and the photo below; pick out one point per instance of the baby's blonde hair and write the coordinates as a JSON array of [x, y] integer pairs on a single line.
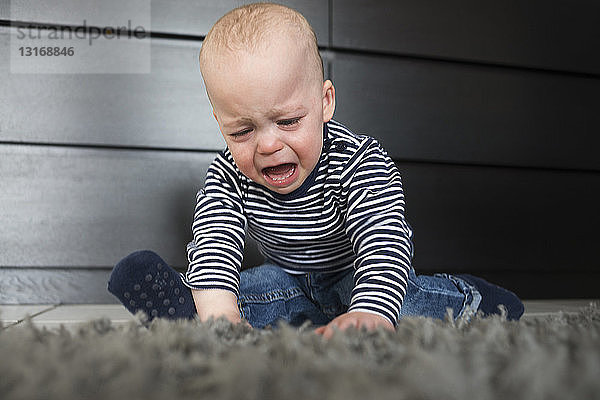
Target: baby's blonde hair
[[250, 26]]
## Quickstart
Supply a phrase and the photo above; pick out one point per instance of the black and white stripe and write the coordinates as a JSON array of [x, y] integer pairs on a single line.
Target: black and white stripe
[[348, 213]]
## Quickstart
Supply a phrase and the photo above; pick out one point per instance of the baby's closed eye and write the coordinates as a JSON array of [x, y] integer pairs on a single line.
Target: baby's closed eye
[[288, 122]]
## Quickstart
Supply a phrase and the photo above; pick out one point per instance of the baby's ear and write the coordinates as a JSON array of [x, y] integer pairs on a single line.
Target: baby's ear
[[328, 100]]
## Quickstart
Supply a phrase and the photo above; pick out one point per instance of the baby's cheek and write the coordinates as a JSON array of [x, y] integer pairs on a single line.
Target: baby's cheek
[[247, 169], [312, 149], [242, 161]]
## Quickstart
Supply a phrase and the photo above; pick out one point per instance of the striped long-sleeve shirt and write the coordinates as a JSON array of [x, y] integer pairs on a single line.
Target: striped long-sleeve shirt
[[348, 213]]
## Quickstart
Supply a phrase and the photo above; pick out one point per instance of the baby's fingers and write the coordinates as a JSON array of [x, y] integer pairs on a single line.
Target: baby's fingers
[[326, 331], [320, 330]]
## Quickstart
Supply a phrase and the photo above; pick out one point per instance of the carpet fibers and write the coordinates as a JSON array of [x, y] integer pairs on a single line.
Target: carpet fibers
[[486, 358]]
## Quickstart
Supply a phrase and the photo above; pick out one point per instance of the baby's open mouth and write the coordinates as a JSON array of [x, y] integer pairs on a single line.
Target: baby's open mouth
[[279, 173]]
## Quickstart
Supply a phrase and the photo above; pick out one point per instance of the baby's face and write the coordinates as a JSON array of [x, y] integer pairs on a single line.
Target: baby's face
[[270, 108]]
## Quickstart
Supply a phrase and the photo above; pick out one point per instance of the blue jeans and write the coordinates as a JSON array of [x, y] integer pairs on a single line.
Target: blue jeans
[[268, 294]]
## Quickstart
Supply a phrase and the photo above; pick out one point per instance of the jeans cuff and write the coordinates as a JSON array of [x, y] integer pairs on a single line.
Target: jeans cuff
[[472, 296]]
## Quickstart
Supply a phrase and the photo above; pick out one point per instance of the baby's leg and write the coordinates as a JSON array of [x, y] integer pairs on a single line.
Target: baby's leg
[[143, 281], [430, 296], [268, 294]]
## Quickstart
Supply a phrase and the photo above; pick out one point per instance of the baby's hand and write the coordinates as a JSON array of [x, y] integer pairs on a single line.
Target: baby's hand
[[216, 303], [357, 320]]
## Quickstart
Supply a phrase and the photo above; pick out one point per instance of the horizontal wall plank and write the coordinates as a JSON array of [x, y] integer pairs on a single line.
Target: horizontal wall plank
[[555, 34], [86, 208], [187, 17], [72, 207], [447, 112], [166, 108], [55, 286], [484, 219], [547, 284], [85, 286], [89, 208]]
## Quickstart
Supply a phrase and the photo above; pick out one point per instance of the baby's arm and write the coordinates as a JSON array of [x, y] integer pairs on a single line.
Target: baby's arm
[[216, 303], [381, 239], [215, 255]]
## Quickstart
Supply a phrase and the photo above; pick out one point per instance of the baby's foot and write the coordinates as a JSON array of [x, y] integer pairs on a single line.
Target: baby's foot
[[143, 281], [492, 296]]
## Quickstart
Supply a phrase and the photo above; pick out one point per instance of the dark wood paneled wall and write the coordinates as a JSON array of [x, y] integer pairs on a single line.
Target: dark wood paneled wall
[[489, 109], [463, 113], [167, 108], [555, 35]]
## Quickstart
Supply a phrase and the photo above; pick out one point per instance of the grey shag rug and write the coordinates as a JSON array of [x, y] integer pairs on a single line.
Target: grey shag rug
[[486, 358]]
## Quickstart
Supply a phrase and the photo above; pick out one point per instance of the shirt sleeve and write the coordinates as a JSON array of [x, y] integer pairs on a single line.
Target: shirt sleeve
[[216, 252], [379, 233]]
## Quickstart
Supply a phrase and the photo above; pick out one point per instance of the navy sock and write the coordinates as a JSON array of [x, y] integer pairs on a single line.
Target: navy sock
[[143, 281], [492, 296]]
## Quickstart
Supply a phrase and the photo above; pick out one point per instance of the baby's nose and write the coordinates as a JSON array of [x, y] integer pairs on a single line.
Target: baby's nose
[[269, 143]]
